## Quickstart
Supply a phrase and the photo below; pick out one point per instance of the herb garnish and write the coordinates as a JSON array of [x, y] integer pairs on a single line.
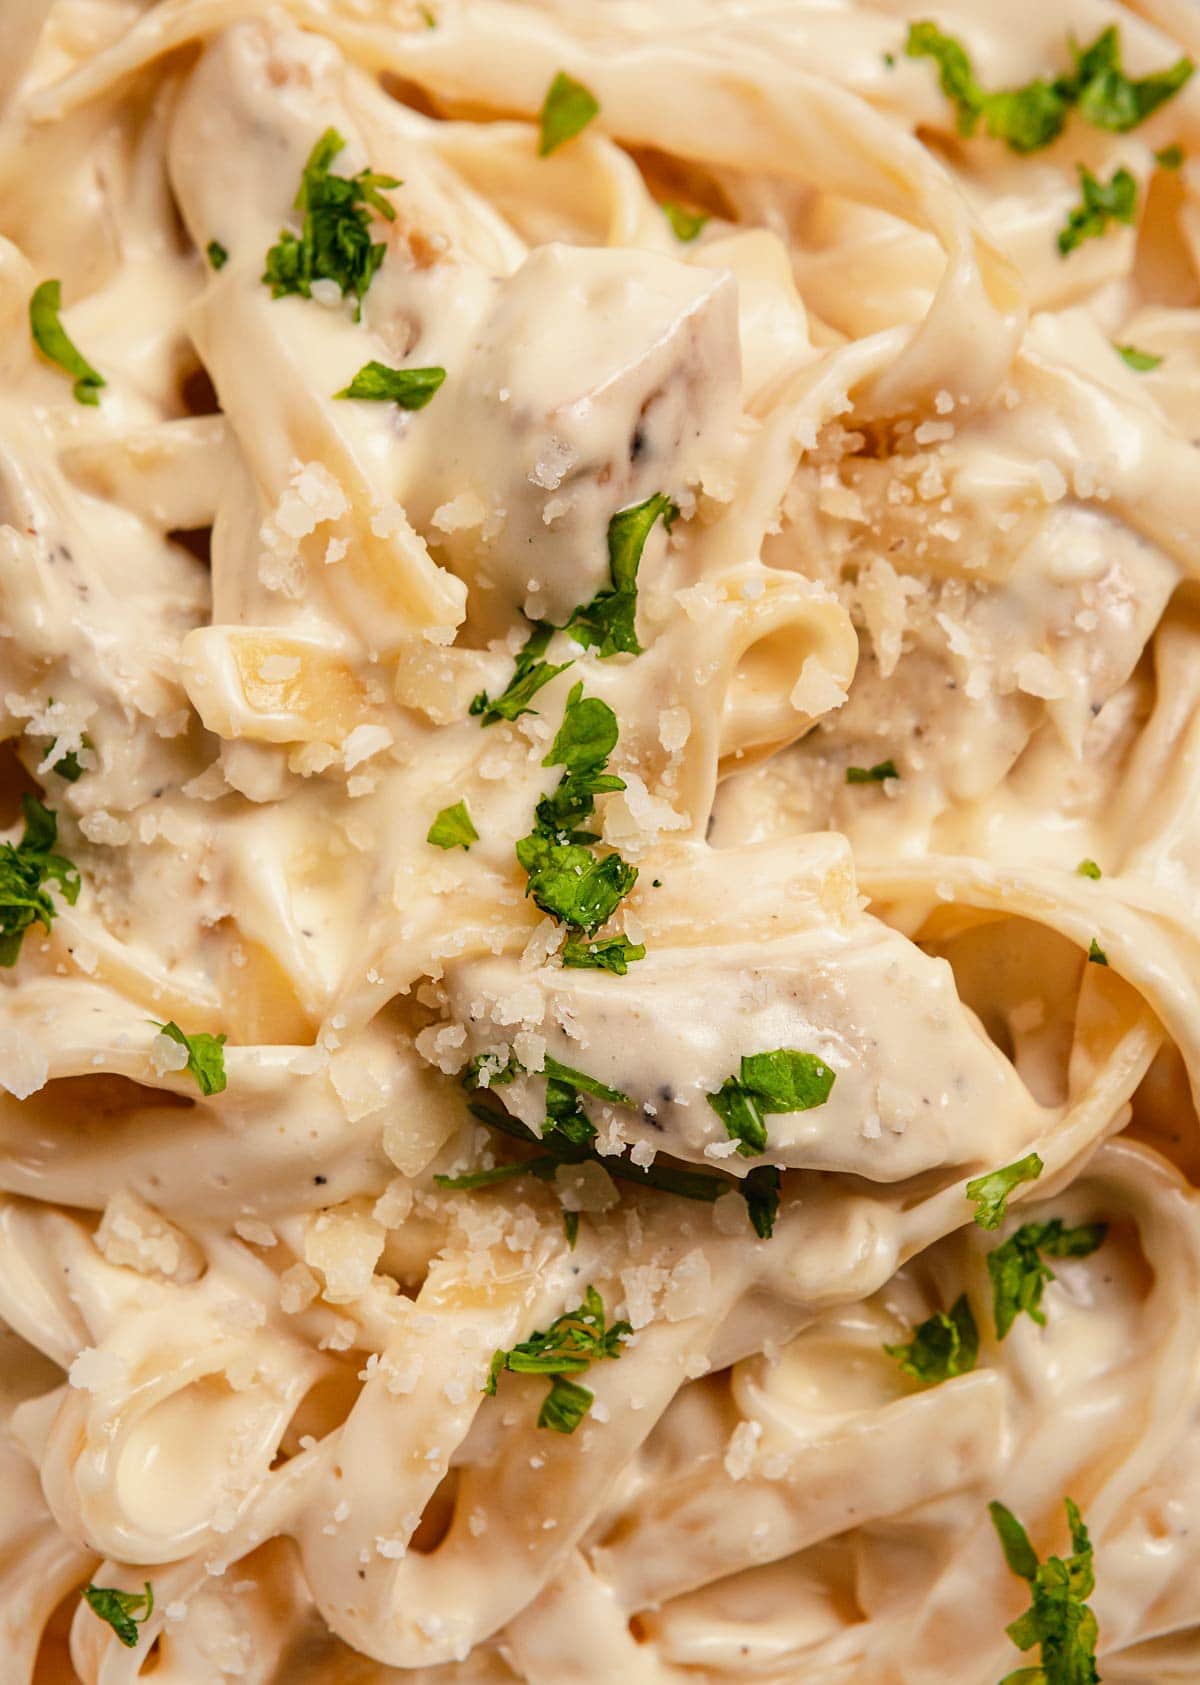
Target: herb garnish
[[575, 886], [1096, 954], [1031, 116], [216, 254], [607, 622], [1141, 362], [453, 828], [1100, 203], [410, 388], [1018, 1274], [24, 871], [569, 1346], [335, 242], [568, 108], [567, 1134], [946, 1344], [53, 341], [1059, 1619], [120, 1609], [1170, 157], [1088, 869], [991, 1192], [685, 224], [530, 675], [610, 953], [783, 1080], [871, 774], [205, 1056]]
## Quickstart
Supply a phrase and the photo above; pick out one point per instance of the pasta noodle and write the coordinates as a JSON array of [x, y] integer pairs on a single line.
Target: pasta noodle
[[600, 1038]]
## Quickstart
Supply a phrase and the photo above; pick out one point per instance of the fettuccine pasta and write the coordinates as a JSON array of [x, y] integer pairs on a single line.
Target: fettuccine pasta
[[599, 916]]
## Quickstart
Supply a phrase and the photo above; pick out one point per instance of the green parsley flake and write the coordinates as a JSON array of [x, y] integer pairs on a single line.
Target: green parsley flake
[[1088, 869], [611, 953], [1032, 116], [571, 1227], [566, 879], [453, 828], [410, 388], [530, 674], [607, 622], [53, 341], [25, 870], [1018, 1273], [784, 1080], [945, 1345], [568, 109], [474, 1179], [567, 1137], [1170, 157], [121, 1609], [334, 243], [991, 1192], [571, 1344], [1059, 1620], [583, 1083], [1140, 361], [685, 224], [1101, 202], [216, 254], [871, 774], [1096, 954], [1107, 98], [205, 1056]]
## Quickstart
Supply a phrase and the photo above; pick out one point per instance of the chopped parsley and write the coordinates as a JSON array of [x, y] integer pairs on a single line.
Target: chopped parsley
[[946, 1344], [68, 766], [575, 886], [205, 1056], [784, 1080], [1033, 115], [125, 1611], [473, 1179], [1018, 1273], [991, 1192], [530, 675], [1058, 1620], [871, 774], [607, 622], [567, 1136], [567, 110], [564, 1108], [1096, 954], [1141, 362], [216, 254], [1107, 98], [1100, 203], [1170, 157], [1088, 869], [571, 1344], [685, 224], [571, 1227], [610, 953], [453, 828], [25, 870], [410, 388], [334, 243], [53, 341]]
